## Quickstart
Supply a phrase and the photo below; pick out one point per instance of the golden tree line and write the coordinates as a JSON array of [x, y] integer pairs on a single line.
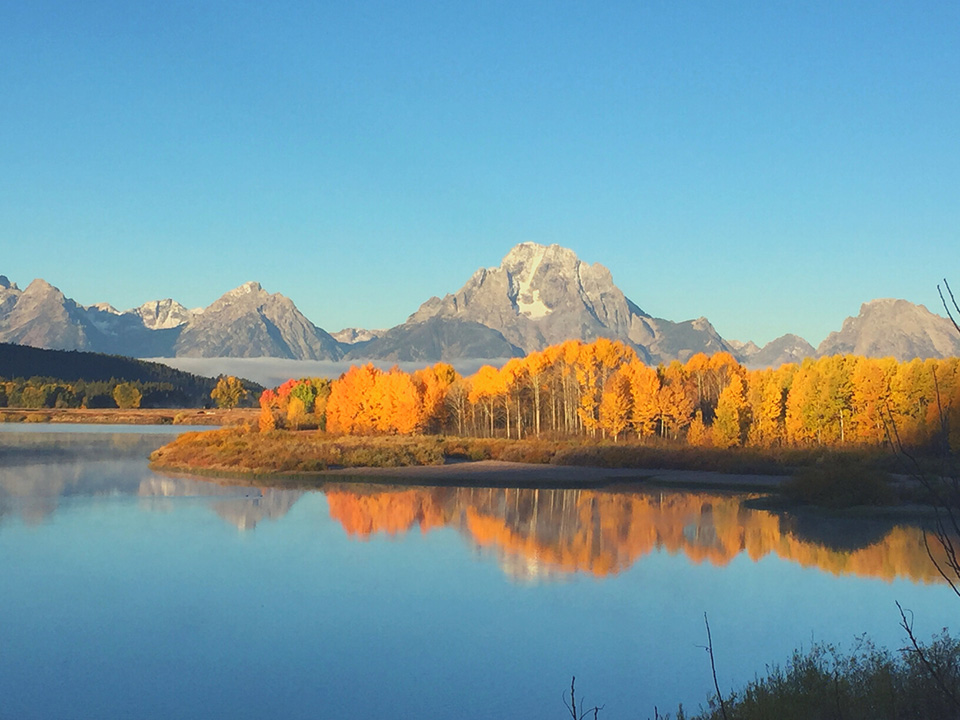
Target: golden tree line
[[602, 389]]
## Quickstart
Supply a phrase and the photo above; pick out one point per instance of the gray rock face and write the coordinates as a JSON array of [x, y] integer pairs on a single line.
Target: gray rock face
[[249, 322], [9, 293], [163, 314], [681, 340], [123, 333], [434, 340], [894, 328], [352, 336], [785, 349], [543, 295], [246, 322], [42, 317], [743, 349], [538, 296]]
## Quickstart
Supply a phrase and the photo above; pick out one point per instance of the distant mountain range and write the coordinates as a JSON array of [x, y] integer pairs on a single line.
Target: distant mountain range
[[538, 296]]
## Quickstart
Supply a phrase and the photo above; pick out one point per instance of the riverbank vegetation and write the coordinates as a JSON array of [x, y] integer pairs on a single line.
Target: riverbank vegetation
[[826, 477], [863, 684]]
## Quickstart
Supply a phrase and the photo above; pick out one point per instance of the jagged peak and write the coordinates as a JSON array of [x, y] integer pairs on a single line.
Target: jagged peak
[[104, 307], [877, 303], [162, 314], [6, 284], [155, 304], [526, 254], [240, 293], [41, 286], [248, 287]]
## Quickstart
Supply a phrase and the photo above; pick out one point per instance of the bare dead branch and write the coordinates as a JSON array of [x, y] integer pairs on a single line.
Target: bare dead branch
[[946, 508], [956, 308], [713, 668], [575, 713], [931, 669]]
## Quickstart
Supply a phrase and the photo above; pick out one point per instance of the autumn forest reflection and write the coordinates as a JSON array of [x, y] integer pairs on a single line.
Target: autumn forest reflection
[[534, 535], [537, 534]]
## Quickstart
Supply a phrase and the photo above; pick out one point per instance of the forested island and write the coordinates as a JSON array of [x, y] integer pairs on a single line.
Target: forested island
[[831, 421]]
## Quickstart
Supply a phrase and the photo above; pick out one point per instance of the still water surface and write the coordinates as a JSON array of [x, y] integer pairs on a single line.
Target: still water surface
[[127, 593]]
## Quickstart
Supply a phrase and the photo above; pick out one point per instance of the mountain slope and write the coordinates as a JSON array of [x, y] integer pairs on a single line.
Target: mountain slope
[[436, 339], [785, 349], [250, 322], [894, 328], [245, 322], [41, 316], [542, 295]]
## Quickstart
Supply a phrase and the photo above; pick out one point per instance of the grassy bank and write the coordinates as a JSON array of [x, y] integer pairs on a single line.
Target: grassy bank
[[828, 478], [238, 450]]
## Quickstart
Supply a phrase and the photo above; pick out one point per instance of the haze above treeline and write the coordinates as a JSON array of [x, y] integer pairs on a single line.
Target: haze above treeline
[[538, 296]]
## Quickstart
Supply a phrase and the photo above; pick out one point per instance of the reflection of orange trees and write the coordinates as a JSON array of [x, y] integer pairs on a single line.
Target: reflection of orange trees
[[387, 512], [602, 533]]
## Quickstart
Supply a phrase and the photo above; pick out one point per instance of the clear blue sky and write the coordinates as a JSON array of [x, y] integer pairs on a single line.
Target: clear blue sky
[[767, 165]]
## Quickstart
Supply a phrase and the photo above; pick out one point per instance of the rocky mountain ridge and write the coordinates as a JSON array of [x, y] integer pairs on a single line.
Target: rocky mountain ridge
[[245, 322], [539, 295], [918, 332]]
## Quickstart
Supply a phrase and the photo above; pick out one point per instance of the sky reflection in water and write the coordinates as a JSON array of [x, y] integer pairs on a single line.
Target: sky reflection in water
[[131, 593]]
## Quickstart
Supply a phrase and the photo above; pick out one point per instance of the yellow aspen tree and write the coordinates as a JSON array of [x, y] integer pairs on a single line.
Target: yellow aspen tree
[[911, 390], [729, 422], [296, 412], [400, 408], [615, 405], [434, 384], [536, 365], [265, 421], [352, 407], [675, 400], [801, 416], [588, 375], [486, 387], [766, 397], [229, 392], [513, 375], [870, 394], [644, 389], [570, 352], [126, 396], [696, 369], [698, 434]]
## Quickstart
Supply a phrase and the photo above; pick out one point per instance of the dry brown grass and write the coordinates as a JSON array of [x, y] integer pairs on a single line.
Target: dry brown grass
[[240, 450], [245, 451]]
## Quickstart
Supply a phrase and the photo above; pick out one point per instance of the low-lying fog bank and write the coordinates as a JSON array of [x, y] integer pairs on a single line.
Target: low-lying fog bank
[[270, 372]]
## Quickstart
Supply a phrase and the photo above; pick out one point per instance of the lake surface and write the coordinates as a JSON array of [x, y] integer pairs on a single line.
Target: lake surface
[[128, 593]]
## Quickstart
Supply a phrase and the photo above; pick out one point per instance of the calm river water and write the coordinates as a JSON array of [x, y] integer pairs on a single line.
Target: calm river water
[[127, 593]]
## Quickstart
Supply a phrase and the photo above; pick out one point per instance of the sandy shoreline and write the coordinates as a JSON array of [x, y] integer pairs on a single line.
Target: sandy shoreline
[[499, 473]]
